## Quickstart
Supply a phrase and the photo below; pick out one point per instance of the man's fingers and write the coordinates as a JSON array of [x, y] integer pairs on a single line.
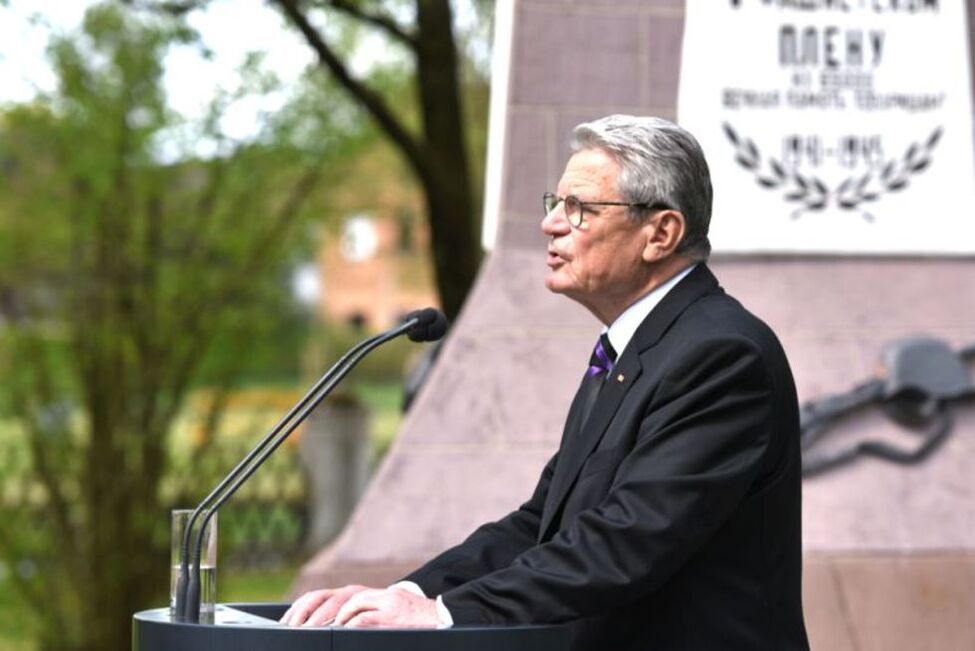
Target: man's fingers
[[363, 601], [317, 607], [366, 619], [325, 614], [304, 606], [287, 615], [358, 606]]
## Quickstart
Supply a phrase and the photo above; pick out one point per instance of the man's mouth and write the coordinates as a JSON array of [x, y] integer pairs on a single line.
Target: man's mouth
[[554, 259]]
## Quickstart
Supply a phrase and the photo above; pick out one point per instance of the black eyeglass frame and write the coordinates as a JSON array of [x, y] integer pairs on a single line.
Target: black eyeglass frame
[[550, 200]]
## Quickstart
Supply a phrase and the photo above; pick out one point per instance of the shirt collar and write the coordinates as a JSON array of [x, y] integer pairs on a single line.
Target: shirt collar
[[625, 325]]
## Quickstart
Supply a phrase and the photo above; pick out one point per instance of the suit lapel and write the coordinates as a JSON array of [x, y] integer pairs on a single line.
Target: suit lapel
[[581, 438], [697, 283], [576, 411]]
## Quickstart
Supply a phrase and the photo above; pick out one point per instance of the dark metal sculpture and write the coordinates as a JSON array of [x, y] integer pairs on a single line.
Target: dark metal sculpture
[[920, 378]]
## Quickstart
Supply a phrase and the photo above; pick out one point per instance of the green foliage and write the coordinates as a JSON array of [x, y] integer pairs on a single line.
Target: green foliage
[[126, 281], [15, 632], [238, 586], [384, 364], [435, 149]]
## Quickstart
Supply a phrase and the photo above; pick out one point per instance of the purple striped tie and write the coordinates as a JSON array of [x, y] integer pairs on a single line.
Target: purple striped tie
[[602, 358]]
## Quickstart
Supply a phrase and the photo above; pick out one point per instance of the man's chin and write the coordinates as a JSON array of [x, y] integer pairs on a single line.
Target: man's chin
[[558, 285], [553, 285]]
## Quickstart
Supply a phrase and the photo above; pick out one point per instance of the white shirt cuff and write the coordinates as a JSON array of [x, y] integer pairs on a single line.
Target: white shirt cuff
[[443, 615], [446, 621]]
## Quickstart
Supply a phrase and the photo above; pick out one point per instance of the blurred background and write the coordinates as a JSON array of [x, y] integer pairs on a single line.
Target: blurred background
[[201, 208], [204, 203]]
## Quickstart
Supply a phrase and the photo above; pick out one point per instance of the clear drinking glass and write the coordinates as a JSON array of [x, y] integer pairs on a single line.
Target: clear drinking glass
[[208, 561]]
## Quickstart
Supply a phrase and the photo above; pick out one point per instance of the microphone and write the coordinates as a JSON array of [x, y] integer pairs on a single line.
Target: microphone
[[428, 324], [431, 325]]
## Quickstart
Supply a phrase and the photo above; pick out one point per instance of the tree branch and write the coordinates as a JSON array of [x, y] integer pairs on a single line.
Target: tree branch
[[66, 535], [383, 21], [262, 252], [300, 191], [369, 99], [193, 240]]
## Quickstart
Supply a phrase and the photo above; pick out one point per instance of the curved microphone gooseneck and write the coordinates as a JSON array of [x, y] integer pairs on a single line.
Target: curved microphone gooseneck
[[422, 325]]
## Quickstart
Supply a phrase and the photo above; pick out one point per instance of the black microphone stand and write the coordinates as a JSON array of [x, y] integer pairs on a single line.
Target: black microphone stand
[[188, 581]]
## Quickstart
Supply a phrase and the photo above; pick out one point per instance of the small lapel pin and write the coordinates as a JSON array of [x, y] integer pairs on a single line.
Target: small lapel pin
[[620, 378]]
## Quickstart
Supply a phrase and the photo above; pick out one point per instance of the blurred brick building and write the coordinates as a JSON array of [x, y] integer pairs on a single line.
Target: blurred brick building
[[373, 260]]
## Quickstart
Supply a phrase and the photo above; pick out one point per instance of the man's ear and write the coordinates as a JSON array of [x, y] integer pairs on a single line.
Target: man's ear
[[663, 234]]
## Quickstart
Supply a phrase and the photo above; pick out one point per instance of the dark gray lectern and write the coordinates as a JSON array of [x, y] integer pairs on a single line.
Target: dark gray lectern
[[252, 627]]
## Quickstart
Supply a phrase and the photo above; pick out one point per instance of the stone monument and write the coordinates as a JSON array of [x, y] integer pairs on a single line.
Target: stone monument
[[890, 550]]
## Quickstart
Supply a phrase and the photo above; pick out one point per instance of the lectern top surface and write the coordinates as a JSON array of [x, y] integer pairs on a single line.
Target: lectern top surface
[[254, 627]]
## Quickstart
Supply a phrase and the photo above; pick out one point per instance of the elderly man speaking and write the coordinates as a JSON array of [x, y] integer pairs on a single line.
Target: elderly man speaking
[[669, 518]]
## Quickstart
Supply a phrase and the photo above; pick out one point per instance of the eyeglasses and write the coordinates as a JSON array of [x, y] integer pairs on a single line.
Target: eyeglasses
[[574, 207]]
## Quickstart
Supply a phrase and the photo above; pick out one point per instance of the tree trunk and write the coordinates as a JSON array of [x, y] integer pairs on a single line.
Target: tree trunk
[[447, 184], [439, 157]]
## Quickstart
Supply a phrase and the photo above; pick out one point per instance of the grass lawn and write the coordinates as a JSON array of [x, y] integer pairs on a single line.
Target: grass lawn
[[235, 586], [383, 401]]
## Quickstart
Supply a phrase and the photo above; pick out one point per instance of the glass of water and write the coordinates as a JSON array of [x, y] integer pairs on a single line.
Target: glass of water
[[208, 561]]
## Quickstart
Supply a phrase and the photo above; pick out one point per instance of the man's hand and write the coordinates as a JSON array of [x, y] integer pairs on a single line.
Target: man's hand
[[393, 607], [319, 607]]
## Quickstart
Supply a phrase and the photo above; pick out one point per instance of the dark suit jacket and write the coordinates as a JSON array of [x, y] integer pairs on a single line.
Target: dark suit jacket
[[670, 519]]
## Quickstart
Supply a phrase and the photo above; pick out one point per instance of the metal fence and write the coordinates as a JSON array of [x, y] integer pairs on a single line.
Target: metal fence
[[266, 522], [264, 525]]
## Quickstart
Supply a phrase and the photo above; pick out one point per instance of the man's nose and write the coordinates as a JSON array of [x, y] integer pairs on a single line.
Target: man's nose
[[555, 223]]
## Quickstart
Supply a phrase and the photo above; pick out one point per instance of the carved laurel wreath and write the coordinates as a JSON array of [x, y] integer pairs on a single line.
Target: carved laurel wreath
[[812, 194]]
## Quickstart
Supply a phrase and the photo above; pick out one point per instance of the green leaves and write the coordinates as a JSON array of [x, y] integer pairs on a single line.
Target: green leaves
[[125, 281]]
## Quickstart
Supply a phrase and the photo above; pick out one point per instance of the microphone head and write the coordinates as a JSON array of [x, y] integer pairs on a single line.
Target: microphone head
[[431, 324]]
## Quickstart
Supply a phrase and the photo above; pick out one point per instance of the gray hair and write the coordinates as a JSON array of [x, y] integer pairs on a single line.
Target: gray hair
[[661, 163]]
